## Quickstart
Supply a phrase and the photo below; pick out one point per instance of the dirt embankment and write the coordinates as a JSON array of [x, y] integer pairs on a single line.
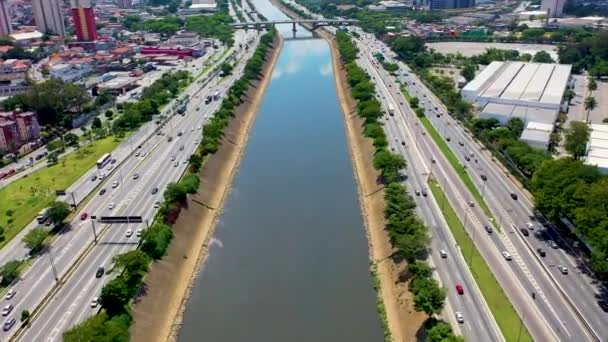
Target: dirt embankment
[[158, 313], [404, 322]]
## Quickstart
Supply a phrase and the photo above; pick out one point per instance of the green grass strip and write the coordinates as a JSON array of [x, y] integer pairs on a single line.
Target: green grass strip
[[456, 165], [506, 317], [24, 198]]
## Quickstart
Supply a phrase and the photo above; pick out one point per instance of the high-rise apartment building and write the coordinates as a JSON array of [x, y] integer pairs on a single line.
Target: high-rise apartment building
[[450, 4], [84, 20], [125, 3], [48, 17], [5, 20], [553, 8]]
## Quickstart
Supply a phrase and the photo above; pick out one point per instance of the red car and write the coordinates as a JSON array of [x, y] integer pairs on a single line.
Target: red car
[[2, 175], [10, 172], [459, 289], [84, 216]]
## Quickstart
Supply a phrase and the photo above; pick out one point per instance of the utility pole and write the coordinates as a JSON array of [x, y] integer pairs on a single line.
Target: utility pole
[[73, 199], [53, 265], [94, 232]]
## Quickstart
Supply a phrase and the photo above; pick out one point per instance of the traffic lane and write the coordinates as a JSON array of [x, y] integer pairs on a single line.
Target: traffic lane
[[518, 267], [440, 159], [60, 262], [87, 292], [451, 274], [482, 323]]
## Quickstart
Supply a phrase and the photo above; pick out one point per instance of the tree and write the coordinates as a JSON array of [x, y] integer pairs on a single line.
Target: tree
[[419, 269], [389, 165], [590, 103], [226, 69], [9, 272], [542, 57], [592, 85], [114, 295], [441, 332], [71, 139], [25, 316], [133, 263], [109, 114], [34, 239], [52, 158], [58, 211], [96, 123], [428, 296], [468, 72], [577, 137]]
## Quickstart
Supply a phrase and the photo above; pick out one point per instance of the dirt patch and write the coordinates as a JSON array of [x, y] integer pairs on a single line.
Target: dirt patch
[[158, 314]]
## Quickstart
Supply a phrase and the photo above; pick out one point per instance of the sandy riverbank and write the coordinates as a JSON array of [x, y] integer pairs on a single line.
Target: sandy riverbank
[[404, 322], [158, 314]]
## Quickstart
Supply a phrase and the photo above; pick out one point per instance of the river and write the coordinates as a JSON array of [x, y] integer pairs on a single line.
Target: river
[[289, 261]]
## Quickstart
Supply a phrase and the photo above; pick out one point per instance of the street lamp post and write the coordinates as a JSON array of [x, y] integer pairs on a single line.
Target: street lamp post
[[94, 232], [53, 268]]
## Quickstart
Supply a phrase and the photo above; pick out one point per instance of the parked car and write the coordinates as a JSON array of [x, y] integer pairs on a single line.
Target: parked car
[[552, 244], [541, 252], [7, 309], [524, 231], [94, 302], [562, 269]]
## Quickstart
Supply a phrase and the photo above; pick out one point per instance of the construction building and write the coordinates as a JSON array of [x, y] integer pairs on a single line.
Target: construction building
[[552, 8], [5, 20]]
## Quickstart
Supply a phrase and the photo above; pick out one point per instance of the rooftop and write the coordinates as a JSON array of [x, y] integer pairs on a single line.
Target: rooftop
[[597, 148]]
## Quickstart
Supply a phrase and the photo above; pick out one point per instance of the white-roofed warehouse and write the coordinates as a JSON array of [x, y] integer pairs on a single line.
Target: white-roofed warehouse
[[532, 92], [597, 148]]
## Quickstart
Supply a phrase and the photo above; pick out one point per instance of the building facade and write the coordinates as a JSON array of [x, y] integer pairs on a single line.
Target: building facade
[[48, 17], [84, 20], [5, 20], [125, 3], [12, 77], [17, 129], [451, 4], [553, 8]]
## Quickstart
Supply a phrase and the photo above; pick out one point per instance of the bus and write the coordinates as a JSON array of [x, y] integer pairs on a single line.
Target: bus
[[104, 160]]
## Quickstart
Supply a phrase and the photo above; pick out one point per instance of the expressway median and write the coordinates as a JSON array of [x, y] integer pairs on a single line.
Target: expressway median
[[502, 310]]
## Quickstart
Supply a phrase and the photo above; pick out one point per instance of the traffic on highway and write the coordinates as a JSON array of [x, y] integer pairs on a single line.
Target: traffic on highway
[[64, 283]]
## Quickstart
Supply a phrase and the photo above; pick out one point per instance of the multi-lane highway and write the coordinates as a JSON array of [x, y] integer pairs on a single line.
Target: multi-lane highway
[[79, 190], [479, 324], [74, 257], [550, 314]]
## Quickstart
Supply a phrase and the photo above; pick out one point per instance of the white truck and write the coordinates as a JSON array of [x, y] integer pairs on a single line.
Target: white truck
[[216, 95], [391, 109]]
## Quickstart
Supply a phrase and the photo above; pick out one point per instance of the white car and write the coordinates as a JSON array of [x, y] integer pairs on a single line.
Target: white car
[[459, 317], [443, 253], [176, 164], [140, 232], [10, 294], [172, 158], [506, 255], [111, 206], [562, 269], [115, 184], [109, 168], [530, 225], [129, 233], [7, 309], [157, 204], [94, 302]]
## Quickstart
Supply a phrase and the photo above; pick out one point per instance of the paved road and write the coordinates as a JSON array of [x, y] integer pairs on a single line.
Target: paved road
[[194, 66], [16, 250], [538, 274], [479, 324], [132, 197]]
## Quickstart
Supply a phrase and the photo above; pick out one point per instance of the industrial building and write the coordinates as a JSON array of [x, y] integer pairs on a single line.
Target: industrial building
[[532, 92], [597, 147]]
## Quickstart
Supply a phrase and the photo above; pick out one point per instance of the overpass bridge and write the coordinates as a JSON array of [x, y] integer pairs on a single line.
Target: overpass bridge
[[316, 23]]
